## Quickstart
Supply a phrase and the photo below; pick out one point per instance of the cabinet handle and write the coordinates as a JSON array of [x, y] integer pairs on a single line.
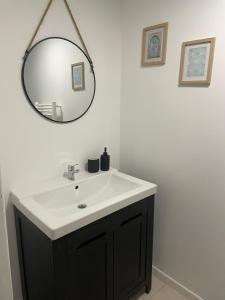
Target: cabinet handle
[[99, 236], [131, 219]]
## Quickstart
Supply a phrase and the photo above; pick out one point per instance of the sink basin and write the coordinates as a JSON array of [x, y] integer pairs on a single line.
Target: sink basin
[[61, 207], [69, 200]]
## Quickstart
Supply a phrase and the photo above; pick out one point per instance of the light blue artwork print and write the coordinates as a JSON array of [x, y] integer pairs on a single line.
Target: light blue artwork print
[[77, 75], [196, 62], [154, 45]]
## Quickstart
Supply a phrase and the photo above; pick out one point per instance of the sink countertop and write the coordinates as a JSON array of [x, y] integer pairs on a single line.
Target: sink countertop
[[53, 205]]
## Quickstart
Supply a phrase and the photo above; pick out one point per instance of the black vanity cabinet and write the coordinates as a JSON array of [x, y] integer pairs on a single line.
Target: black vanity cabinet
[[109, 259], [130, 253], [90, 264]]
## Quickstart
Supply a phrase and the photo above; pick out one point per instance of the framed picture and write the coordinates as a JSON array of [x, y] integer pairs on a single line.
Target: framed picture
[[154, 43], [78, 76], [196, 62]]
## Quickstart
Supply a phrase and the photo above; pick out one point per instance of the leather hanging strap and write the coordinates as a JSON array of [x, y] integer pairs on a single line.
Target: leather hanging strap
[[74, 24], [39, 25], [77, 30]]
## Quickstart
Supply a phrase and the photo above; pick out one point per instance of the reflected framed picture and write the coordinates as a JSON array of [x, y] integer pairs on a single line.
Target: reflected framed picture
[[154, 44], [197, 62], [78, 76]]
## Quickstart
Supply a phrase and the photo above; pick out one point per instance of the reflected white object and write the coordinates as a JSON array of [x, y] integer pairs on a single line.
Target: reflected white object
[[54, 206], [51, 110]]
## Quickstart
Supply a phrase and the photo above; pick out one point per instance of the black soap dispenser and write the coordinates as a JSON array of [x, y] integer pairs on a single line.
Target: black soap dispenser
[[105, 161]]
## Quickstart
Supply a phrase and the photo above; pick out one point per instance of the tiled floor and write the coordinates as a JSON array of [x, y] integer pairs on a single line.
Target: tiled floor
[[161, 291]]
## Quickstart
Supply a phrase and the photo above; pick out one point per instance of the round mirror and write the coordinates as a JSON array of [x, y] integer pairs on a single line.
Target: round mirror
[[58, 80]]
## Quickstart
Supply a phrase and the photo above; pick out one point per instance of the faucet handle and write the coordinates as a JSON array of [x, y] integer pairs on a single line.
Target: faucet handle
[[70, 167], [74, 168]]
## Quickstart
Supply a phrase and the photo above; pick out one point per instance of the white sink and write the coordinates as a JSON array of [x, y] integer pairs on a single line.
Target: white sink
[[60, 207]]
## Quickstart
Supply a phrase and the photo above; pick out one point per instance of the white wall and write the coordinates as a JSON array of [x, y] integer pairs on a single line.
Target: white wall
[[30, 146], [175, 137], [5, 277]]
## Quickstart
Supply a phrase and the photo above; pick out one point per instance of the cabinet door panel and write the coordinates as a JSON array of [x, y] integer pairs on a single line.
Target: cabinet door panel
[[129, 251], [90, 264]]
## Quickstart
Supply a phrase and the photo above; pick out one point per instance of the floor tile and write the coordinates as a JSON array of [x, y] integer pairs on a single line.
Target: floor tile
[[160, 291], [167, 293], [157, 284]]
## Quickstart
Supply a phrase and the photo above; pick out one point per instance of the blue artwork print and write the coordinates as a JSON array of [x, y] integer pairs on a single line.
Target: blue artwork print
[[154, 45], [77, 75], [197, 62]]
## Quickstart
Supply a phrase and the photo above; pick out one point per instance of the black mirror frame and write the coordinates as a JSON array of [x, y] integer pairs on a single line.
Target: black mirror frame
[[24, 87]]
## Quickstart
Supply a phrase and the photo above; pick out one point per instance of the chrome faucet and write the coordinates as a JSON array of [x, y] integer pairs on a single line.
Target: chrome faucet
[[72, 169]]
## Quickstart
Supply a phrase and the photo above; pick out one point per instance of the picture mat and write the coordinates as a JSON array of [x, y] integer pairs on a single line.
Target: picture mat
[[151, 33], [187, 66], [77, 75]]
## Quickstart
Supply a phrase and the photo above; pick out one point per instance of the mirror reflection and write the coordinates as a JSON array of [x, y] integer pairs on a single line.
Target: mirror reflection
[[58, 80]]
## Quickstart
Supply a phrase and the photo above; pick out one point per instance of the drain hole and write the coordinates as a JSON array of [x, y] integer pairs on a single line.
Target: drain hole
[[76, 187], [82, 206]]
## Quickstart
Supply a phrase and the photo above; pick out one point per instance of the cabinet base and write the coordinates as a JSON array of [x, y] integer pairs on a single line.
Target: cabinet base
[[139, 291], [147, 289]]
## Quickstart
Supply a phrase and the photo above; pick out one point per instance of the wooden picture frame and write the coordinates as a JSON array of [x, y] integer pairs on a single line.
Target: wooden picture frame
[[197, 62], [154, 45], [78, 76]]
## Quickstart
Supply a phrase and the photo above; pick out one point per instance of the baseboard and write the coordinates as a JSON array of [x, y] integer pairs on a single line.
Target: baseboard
[[175, 284]]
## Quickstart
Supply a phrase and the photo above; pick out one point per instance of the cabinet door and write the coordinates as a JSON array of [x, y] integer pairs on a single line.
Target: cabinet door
[[130, 255], [91, 266]]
